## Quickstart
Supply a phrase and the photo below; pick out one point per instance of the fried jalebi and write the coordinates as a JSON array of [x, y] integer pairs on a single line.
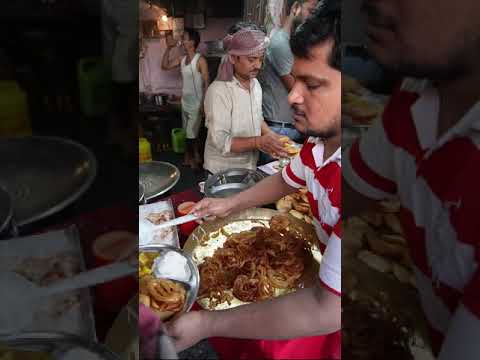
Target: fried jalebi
[[245, 288], [251, 264], [161, 294]]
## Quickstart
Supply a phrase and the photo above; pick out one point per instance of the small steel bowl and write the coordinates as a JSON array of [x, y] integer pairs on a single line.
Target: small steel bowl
[[194, 280], [230, 182]]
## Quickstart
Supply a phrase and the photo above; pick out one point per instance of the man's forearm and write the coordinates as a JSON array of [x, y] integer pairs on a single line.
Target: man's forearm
[[265, 128], [243, 144], [166, 65], [300, 314], [266, 191]]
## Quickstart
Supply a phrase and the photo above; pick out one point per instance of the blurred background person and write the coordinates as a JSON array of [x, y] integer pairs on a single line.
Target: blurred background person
[[196, 79], [276, 78]]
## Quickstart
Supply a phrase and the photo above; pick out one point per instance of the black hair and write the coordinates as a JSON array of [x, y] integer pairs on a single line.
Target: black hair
[[241, 25], [193, 35], [289, 4], [324, 24]]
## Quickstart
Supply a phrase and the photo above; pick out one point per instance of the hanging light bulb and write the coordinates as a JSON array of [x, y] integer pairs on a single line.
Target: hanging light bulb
[[164, 18]]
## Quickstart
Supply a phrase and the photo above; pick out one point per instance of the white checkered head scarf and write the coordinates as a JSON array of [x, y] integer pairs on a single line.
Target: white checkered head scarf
[[245, 42]]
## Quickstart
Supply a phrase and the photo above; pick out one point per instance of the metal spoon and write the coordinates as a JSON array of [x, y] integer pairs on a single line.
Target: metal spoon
[[19, 303]]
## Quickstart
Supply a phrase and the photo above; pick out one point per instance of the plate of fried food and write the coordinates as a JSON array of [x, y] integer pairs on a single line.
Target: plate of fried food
[[252, 256], [168, 280], [376, 239], [297, 205]]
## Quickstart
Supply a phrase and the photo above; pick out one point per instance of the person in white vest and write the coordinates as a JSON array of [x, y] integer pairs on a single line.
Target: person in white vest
[[195, 77]]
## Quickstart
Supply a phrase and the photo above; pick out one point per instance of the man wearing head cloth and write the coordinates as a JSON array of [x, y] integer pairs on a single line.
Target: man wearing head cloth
[[233, 105]]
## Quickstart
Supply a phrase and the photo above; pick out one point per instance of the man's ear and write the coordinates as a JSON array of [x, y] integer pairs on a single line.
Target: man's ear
[[231, 58], [295, 9]]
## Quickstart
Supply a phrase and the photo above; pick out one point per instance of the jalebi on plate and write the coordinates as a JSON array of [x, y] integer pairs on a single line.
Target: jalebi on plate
[[163, 296], [253, 265]]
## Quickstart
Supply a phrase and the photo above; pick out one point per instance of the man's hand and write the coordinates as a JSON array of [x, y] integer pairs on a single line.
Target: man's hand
[[188, 329], [214, 207], [150, 328], [271, 144]]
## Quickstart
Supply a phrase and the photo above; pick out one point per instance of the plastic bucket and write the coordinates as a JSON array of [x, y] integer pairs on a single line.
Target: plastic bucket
[[178, 140]]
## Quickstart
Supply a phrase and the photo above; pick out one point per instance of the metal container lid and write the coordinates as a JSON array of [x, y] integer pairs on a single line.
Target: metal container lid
[[230, 182], [6, 209], [157, 177], [44, 174]]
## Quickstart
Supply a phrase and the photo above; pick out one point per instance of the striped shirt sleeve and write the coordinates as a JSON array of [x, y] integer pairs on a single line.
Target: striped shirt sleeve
[[369, 165], [294, 173], [331, 266]]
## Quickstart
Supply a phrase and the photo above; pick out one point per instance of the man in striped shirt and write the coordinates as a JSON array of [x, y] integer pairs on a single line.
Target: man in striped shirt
[[425, 151], [316, 311]]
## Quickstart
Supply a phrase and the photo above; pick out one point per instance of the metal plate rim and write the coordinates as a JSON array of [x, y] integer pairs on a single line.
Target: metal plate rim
[[8, 219], [168, 188], [69, 200], [141, 193]]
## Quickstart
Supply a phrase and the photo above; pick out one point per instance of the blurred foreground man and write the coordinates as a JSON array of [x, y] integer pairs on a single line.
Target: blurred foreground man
[[313, 311], [425, 151]]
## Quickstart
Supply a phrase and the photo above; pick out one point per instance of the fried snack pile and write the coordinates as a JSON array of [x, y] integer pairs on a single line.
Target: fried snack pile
[[376, 238], [161, 294], [297, 205], [357, 104], [254, 263]]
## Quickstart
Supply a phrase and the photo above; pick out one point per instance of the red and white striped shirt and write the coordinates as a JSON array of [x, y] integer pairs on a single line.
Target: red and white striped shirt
[[323, 181], [437, 182]]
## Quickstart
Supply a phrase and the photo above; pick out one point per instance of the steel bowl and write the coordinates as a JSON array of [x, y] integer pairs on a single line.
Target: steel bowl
[[157, 177], [44, 175], [230, 182], [194, 280], [56, 344]]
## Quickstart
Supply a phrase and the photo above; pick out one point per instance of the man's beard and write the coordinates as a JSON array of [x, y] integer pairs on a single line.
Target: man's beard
[[324, 135], [446, 72], [455, 67]]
